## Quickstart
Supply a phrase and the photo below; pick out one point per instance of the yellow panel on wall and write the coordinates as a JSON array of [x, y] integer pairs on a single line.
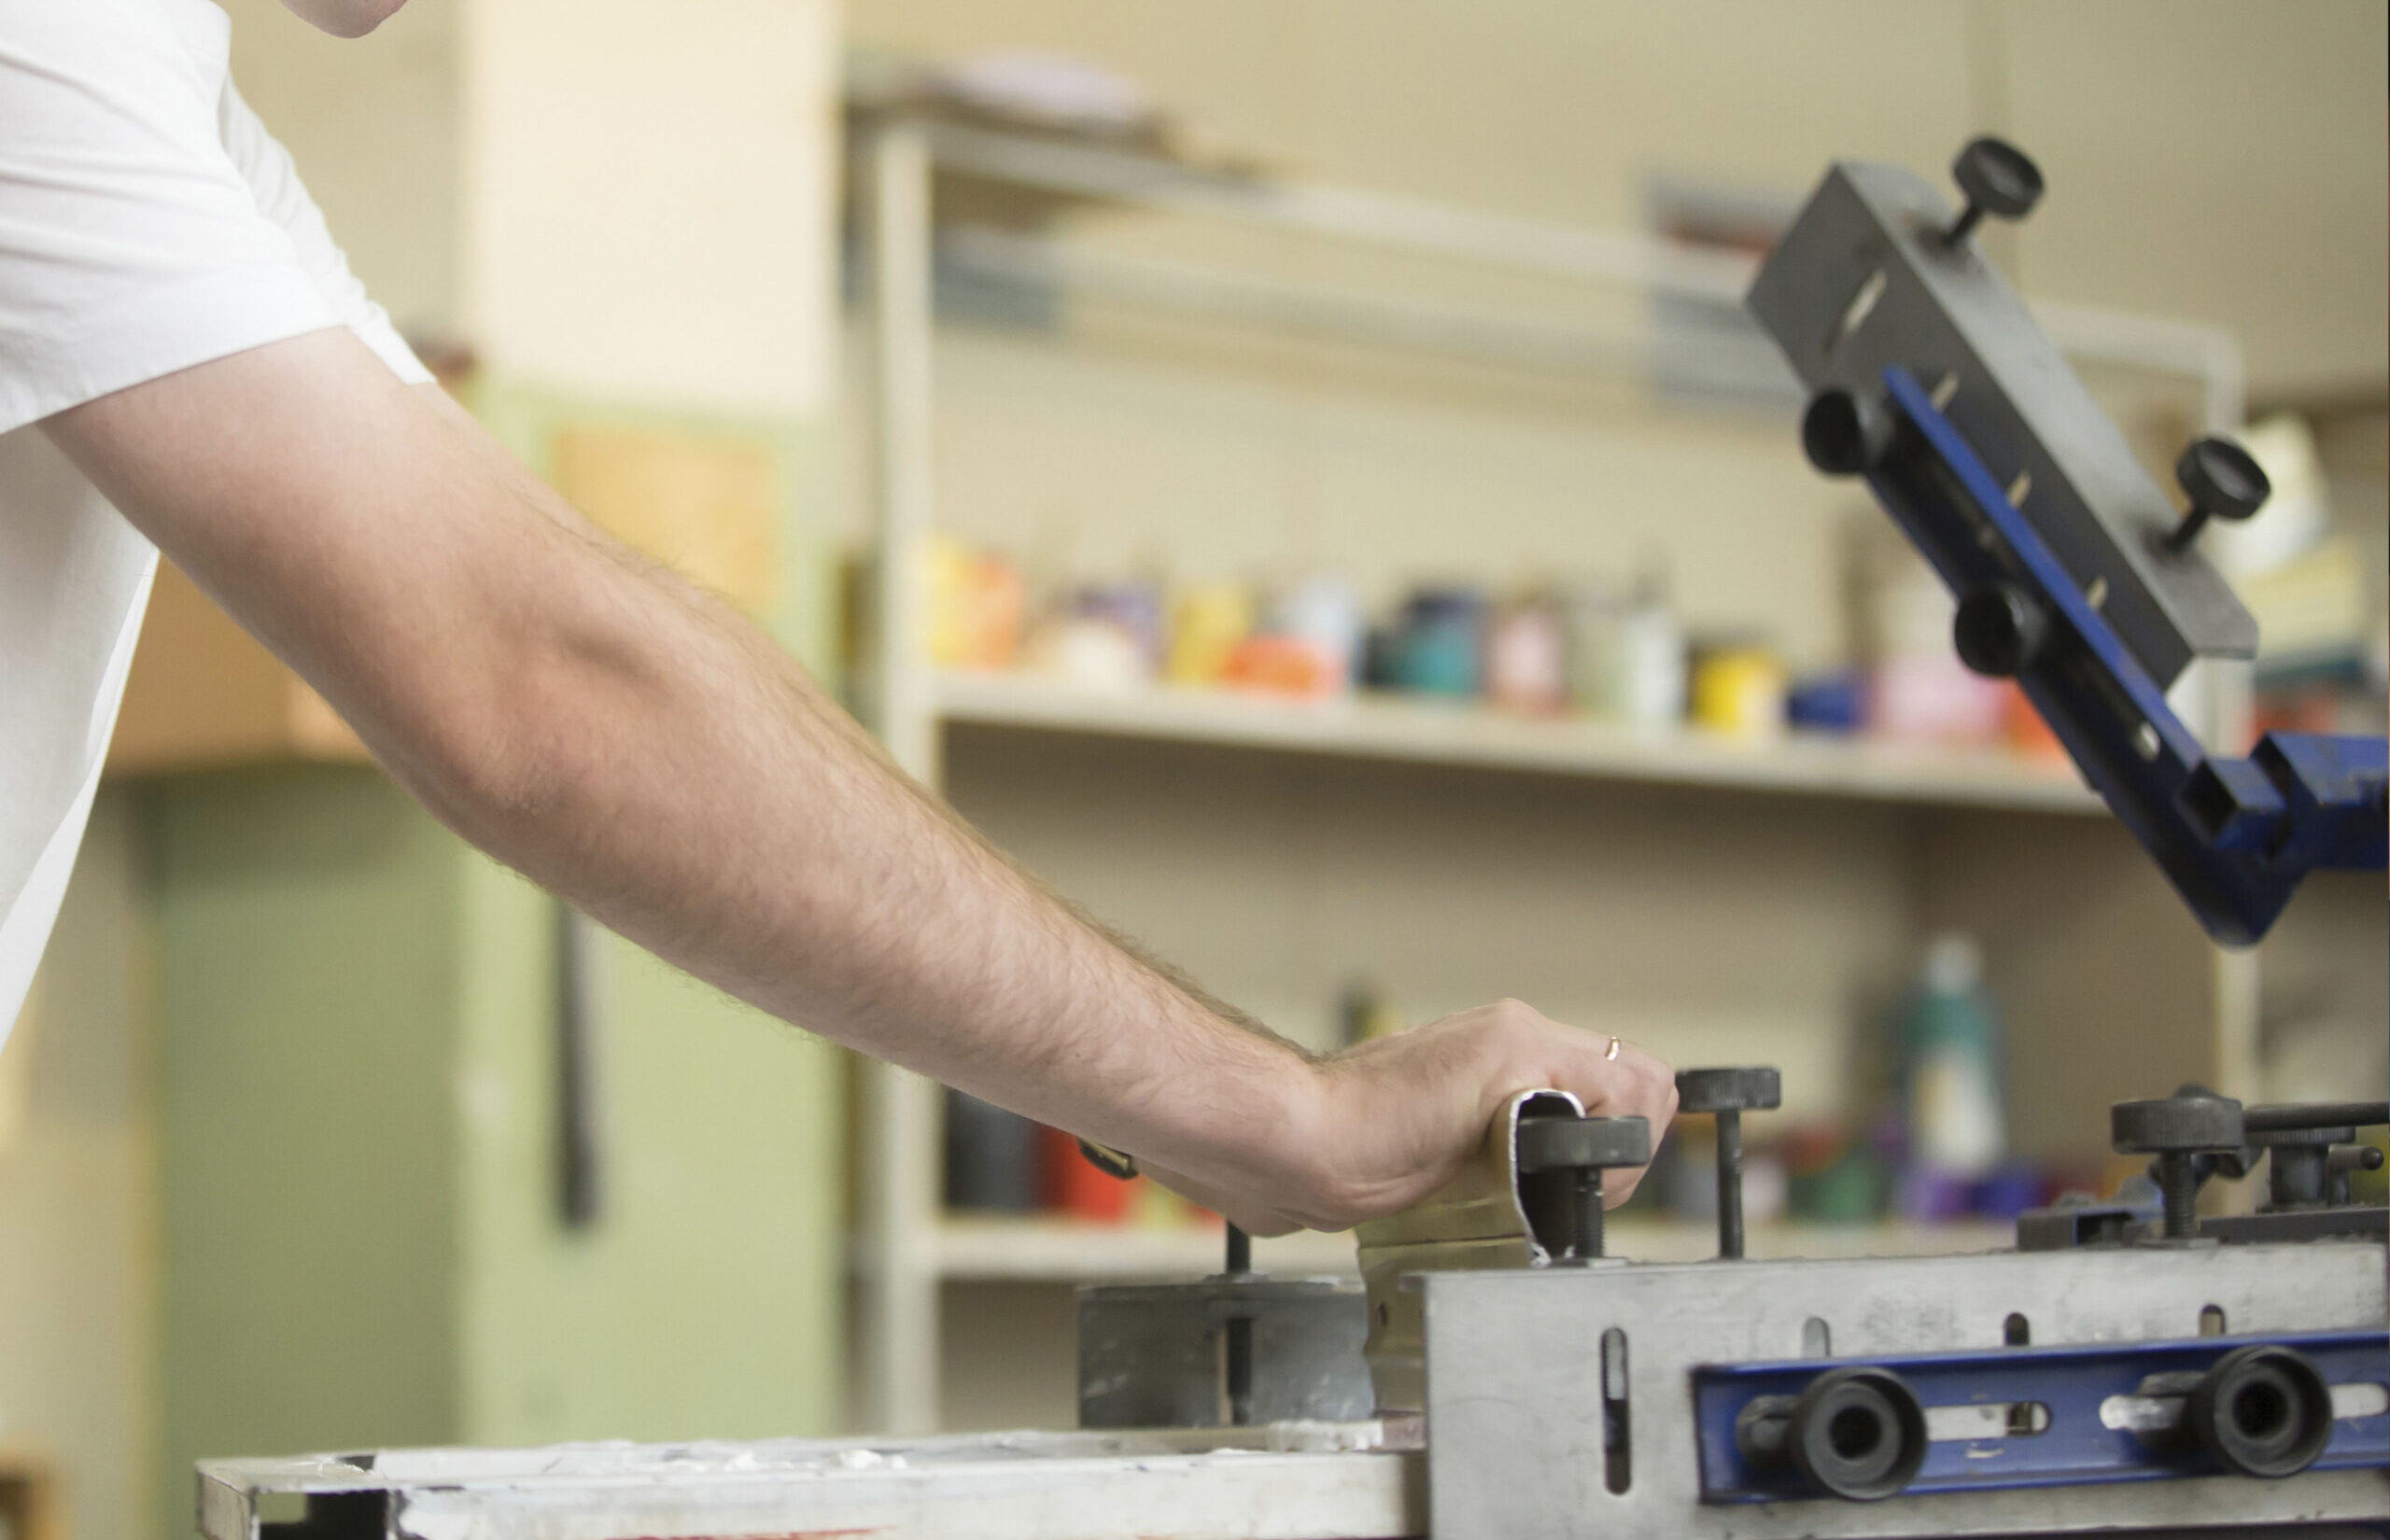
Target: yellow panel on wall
[[706, 506]]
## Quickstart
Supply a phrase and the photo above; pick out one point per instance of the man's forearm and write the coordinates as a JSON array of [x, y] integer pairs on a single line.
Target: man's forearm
[[698, 791]]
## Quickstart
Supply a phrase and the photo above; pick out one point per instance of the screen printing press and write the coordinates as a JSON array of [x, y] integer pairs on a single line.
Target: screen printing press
[[1494, 1373]]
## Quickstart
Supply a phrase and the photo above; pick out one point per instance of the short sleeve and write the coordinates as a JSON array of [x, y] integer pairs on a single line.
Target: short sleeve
[[282, 198], [131, 247]]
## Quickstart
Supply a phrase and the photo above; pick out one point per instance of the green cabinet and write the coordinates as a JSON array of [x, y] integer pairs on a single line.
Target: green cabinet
[[363, 1242]]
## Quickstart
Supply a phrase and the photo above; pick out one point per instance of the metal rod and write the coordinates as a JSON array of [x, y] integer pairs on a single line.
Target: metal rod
[[2315, 1114], [1240, 1335], [1585, 1221], [1730, 1182], [899, 1179], [581, 1012], [2206, 353], [2178, 1184]]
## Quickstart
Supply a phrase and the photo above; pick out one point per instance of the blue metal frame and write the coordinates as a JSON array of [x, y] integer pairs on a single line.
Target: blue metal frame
[[2234, 835], [2075, 1448]]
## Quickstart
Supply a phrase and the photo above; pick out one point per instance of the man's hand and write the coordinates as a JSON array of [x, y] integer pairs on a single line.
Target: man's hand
[[1396, 1116]]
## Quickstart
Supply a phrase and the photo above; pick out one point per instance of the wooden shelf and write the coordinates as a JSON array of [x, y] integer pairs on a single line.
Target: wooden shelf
[[1062, 1251], [203, 694], [1378, 728]]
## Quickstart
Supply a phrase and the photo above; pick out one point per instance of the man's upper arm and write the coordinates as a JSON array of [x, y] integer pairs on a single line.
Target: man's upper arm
[[375, 539]]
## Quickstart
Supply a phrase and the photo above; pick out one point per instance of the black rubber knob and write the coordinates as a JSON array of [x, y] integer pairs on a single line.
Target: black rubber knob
[[2000, 630], [1997, 178], [1845, 434], [1855, 1432], [2262, 1411], [2190, 1122], [2180, 1129], [1745, 1090], [2222, 480], [1583, 1143], [1726, 1095], [1561, 1161]]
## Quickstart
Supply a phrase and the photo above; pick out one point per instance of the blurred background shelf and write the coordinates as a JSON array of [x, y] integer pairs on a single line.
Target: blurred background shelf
[[1382, 728], [1728, 901], [1039, 1249], [1060, 1250]]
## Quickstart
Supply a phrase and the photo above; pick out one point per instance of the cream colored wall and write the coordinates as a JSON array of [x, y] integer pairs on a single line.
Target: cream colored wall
[[681, 250], [78, 1265], [613, 197], [2221, 158], [373, 125], [1720, 928]]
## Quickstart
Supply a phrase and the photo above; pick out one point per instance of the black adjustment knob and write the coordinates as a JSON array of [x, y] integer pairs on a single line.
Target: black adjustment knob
[[1998, 178], [1855, 1432], [1999, 630], [1727, 1094], [2298, 1168], [2222, 480], [2177, 1129], [2262, 1411], [1561, 1161], [1845, 433]]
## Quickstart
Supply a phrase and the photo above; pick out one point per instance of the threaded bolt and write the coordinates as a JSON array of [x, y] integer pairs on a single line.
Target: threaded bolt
[[2178, 1183]]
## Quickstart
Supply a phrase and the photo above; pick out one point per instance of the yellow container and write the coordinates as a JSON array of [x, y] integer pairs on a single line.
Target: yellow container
[[1740, 691], [1205, 625]]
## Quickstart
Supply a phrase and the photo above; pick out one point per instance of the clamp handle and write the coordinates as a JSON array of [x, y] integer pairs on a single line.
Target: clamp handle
[[1561, 1160], [1727, 1094], [2177, 1129], [2222, 480], [1998, 179]]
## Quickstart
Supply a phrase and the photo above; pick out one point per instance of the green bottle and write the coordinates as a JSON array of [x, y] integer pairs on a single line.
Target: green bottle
[[1958, 1123]]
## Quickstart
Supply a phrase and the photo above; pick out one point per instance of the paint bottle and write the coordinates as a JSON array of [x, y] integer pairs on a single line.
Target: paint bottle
[[1627, 659], [1957, 1118], [1440, 642]]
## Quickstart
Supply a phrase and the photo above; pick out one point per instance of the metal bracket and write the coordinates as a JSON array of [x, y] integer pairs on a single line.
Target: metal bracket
[[2234, 836], [2038, 1417]]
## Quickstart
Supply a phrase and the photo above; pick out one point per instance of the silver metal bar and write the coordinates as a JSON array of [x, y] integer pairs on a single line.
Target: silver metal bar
[[1516, 1419], [2208, 353], [1287, 1481], [898, 1180], [582, 1019], [1405, 224], [1312, 309]]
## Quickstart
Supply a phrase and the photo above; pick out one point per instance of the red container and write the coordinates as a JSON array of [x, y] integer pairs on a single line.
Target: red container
[[1070, 1183]]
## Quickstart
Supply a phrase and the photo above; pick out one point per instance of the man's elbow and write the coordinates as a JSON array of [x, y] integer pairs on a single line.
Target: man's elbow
[[492, 762]]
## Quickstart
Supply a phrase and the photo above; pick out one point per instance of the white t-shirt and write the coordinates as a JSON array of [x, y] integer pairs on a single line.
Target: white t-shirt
[[148, 223]]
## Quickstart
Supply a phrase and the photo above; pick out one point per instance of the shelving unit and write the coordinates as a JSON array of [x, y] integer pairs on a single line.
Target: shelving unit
[[1409, 731], [1965, 858]]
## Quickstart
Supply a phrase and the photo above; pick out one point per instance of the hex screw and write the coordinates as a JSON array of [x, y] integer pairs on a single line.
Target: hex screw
[[2178, 1184], [1726, 1095]]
